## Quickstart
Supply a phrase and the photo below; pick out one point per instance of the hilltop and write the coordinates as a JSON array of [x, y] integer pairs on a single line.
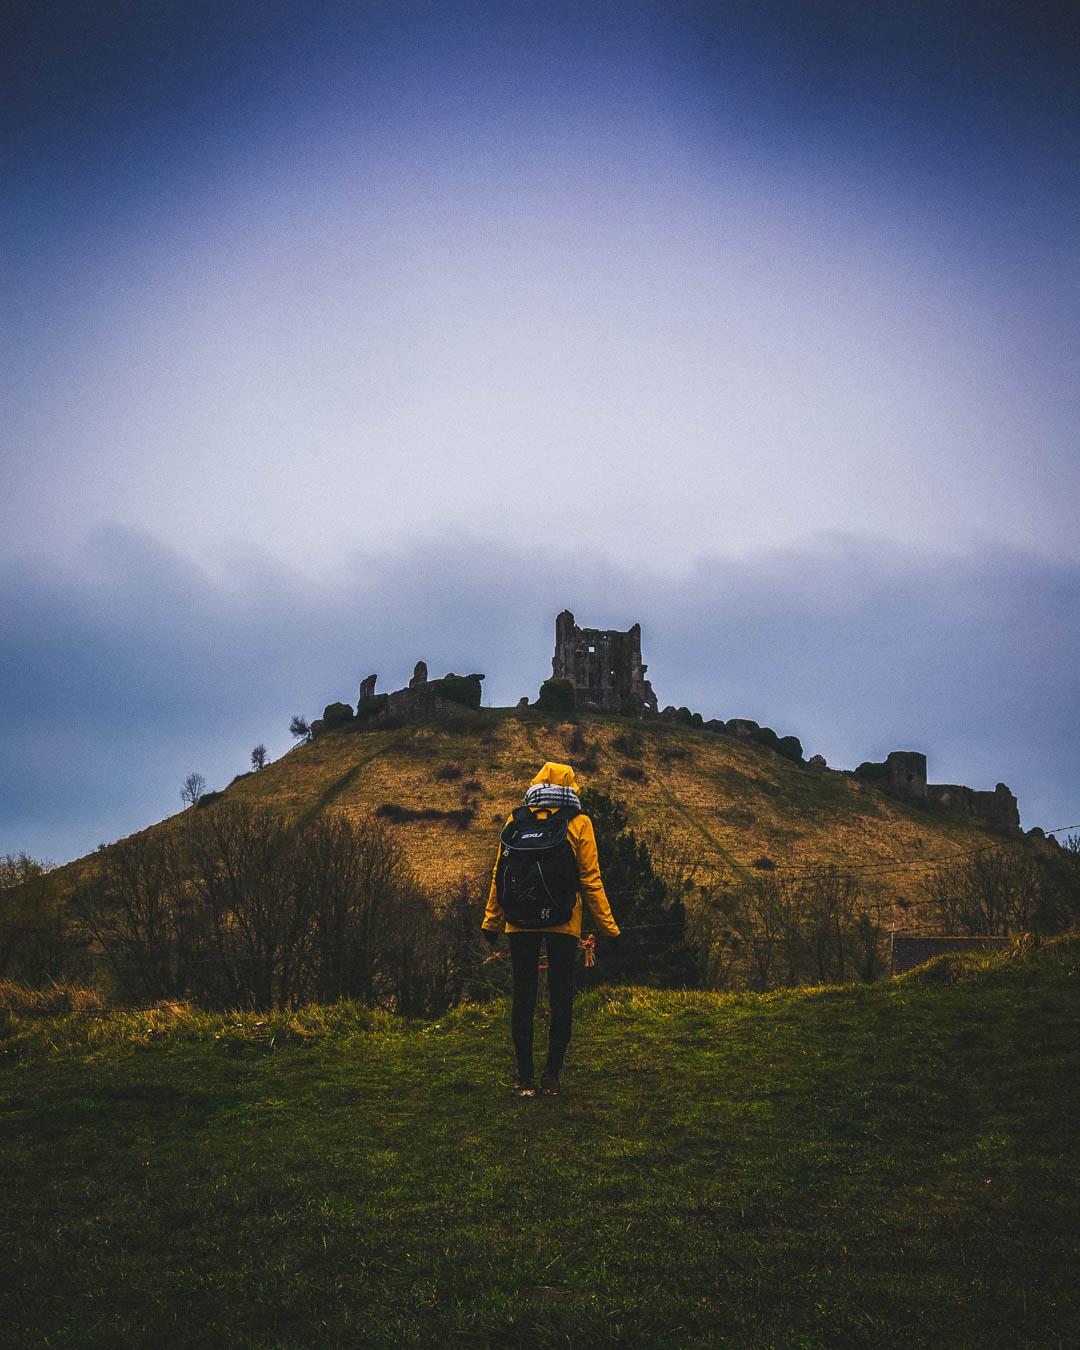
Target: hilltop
[[726, 803], [890, 1165]]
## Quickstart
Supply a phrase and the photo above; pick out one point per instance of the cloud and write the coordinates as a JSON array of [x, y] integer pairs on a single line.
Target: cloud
[[129, 667]]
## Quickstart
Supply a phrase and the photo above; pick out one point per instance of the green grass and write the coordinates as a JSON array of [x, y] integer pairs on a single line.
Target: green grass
[[892, 1165]]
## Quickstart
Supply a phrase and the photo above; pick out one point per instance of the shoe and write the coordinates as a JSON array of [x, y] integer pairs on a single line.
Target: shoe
[[523, 1087], [549, 1084]]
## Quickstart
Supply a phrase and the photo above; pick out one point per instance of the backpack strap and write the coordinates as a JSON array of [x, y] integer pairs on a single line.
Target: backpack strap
[[567, 813]]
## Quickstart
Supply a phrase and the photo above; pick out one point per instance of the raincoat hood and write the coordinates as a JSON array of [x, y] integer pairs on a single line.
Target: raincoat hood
[[561, 775]]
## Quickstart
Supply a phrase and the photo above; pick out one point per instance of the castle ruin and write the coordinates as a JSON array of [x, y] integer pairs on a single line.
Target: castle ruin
[[905, 777], [605, 668]]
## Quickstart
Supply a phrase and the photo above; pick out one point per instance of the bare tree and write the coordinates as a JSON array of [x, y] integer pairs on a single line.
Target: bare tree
[[830, 901], [757, 923], [258, 757], [193, 789], [31, 919], [992, 894], [136, 905], [353, 876], [711, 928], [240, 857]]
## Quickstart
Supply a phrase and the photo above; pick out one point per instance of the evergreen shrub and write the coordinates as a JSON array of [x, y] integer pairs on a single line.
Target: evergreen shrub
[[367, 708], [463, 689], [557, 696], [654, 949]]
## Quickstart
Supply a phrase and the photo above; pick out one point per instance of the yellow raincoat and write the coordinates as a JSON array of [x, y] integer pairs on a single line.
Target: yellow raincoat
[[583, 842]]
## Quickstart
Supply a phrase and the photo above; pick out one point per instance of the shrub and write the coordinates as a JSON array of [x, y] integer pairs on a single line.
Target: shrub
[[633, 772], [871, 771], [668, 753], [336, 715], [370, 707], [247, 909], [37, 942], [449, 773], [463, 689], [764, 864], [654, 947], [406, 815], [628, 743], [557, 697], [209, 798]]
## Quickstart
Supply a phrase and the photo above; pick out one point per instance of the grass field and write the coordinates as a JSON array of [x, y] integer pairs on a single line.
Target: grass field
[[889, 1165]]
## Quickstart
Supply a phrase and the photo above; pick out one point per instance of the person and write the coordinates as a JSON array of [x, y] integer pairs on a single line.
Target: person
[[554, 790]]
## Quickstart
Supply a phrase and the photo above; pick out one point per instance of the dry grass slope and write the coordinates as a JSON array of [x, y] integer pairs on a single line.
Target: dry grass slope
[[722, 801]]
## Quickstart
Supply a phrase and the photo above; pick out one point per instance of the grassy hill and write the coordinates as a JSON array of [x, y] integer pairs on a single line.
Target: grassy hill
[[719, 800], [883, 1165]]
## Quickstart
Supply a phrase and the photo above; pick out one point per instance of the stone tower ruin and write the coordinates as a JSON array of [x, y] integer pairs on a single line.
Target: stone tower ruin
[[604, 666]]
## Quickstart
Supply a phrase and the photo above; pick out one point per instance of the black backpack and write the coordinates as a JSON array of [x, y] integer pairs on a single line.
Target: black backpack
[[536, 879]]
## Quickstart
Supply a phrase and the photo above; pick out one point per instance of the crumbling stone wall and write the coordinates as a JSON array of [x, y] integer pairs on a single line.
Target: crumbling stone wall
[[998, 808], [904, 776], [420, 700], [604, 666]]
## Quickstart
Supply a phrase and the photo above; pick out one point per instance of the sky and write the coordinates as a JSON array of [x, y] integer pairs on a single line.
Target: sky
[[337, 335]]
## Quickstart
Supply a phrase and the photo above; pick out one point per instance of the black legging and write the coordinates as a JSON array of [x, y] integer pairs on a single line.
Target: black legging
[[524, 955]]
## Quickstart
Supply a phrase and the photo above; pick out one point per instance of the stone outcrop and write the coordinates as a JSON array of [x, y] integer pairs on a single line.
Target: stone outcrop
[[741, 726], [605, 668]]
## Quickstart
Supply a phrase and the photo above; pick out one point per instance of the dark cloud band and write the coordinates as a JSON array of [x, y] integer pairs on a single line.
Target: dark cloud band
[[123, 672]]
